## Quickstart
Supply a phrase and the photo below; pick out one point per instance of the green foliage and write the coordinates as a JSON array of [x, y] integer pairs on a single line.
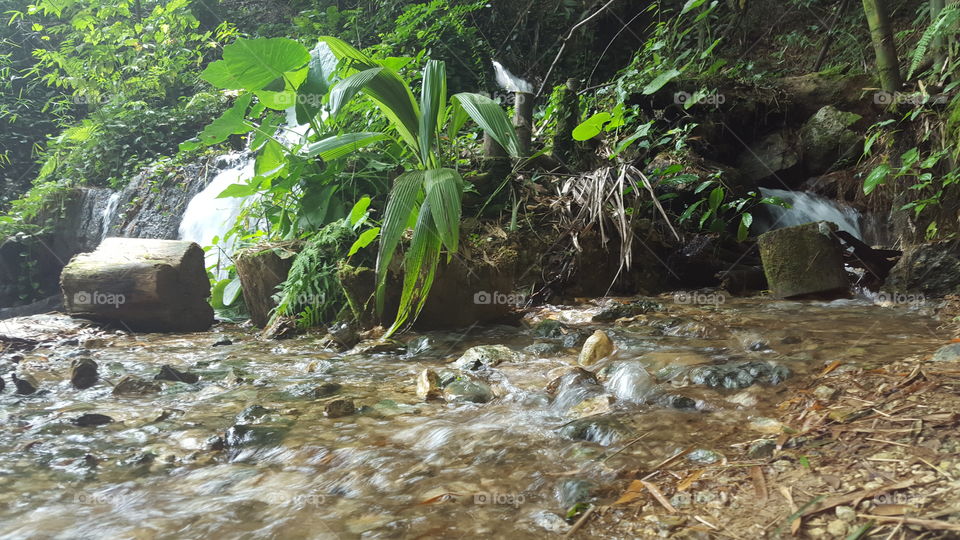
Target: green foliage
[[428, 195], [943, 27], [312, 291]]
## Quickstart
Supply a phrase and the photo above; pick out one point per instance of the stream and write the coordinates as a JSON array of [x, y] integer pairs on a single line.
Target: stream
[[249, 452]]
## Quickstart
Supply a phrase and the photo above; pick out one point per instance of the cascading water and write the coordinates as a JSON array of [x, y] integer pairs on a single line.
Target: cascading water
[[807, 207], [510, 82], [108, 211], [208, 217]]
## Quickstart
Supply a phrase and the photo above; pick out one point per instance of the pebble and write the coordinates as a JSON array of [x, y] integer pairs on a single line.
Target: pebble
[[91, 420], [25, 383], [846, 513], [597, 347], [428, 385], [83, 373], [170, 373], [339, 408], [837, 527]]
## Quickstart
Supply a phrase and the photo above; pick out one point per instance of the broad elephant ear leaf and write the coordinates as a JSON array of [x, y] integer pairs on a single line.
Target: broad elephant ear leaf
[[488, 114], [253, 64]]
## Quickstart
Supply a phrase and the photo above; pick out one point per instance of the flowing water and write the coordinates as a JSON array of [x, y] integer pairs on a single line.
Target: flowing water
[[510, 82], [400, 466], [807, 207]]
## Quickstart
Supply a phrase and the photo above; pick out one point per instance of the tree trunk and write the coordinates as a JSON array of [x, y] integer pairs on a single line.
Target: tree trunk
[[881, 34]]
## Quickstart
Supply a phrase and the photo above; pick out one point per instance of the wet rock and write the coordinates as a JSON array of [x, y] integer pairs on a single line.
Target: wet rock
[[620, 311], [571, 377], [549, 328], [2, 384], [83, 373], [345, 334], [778, 151], [930, 269], [674, 401], [419, 345], [824, 393], [597, 347], [326, 390], [827, 141], [804, 260], [542, 349], [467, 390], [91, 420], [214, 443], [763, 448], [428, 385], [572, 491], [485, 357], [252, 414], [170, 373], [378, 346], [704, 456], [131, 385], [25, 383], [604, 430], [222, 342], [339, 408], [261, 435], [846, 513], [549, 521], [948, 353], [739, 375], [838, 527], [593, 405]]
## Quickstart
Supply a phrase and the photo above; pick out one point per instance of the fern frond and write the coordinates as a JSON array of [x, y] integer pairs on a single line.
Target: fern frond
[[945, 20]]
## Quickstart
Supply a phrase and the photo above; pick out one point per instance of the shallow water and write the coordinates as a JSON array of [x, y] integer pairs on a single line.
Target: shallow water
[[399, 467]]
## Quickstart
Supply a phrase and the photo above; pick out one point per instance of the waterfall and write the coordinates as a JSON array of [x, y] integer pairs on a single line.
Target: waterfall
[[208, 218], [509, 82], [108, 211], [807, 207]]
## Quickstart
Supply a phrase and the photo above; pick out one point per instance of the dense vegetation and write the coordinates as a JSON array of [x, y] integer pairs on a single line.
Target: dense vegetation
[[394, 100]]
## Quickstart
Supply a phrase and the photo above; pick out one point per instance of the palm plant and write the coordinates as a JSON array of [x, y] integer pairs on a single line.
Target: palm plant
[[427, 195]]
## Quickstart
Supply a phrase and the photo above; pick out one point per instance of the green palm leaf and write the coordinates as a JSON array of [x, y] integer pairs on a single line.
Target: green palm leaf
[[433, 98], [420, 267], [403, 198], [339, 146], [444, 189], [492, 118]]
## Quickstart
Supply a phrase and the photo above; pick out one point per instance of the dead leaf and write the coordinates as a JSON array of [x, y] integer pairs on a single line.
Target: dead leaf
[[893, 509], [759, 482], [689, 480], [634, 491], [658, 496]]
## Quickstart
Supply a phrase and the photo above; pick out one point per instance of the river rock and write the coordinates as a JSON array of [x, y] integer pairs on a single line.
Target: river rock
[[804, 260], [485, 357], [131, 385], [827, 140], [428, 385], [543, 349], [143, 285], [261, 435], [83, 373], [739, 375], [25, 383], [339, 408], [170, 373], [597, 347], [253, 414], [604, 430], [569, 377], [467, 390], [778, 151], [947, 353], [929, 269], [2, 384], [91, 420], [620, 311], [593, 405]]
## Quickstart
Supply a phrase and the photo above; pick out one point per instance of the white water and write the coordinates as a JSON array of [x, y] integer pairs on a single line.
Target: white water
[[510, 82], [108, 211], [208, 218], [807, 207]]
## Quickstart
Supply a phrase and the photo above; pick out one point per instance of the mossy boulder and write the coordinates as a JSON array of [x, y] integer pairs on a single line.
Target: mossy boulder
[[804, 260], [828, 143]]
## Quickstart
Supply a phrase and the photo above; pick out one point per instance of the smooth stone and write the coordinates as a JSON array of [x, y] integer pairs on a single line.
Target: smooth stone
[[339, 408], [170, 373], [25, 383], [597, 347], [947, 353], [83, 373], [91, 420], [428, 385], [485, 357], [131, 385], [464, 390]]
